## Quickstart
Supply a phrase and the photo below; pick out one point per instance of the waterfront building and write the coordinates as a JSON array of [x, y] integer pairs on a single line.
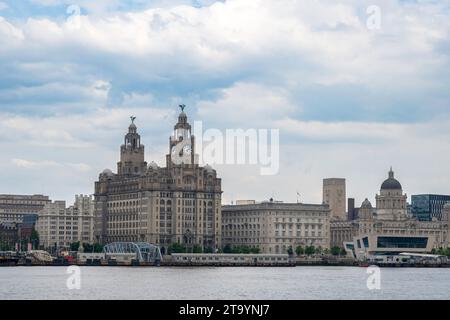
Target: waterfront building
[[179, 203], [13, 207], [334, 195], [273, 227], [9, 235], [389, 248], [390, 219], [59, 226], [428, 207], [342, 231]]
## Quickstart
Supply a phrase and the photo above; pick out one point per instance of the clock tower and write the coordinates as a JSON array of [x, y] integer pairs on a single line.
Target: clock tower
[[182, 143]]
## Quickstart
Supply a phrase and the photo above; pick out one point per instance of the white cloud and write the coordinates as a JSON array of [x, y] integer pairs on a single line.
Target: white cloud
[[248, 105], [47, 2], [46, 164], [66, 93]]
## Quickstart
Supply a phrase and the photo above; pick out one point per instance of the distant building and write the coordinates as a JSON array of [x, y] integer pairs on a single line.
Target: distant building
[[9, 235], [389, 220], [27, 225], [389, 248], [243, 202], [176, 204], [59, 226], [273, 227], [391, 202], [13, 208], [334, 195], [352, 211], [426, 207]]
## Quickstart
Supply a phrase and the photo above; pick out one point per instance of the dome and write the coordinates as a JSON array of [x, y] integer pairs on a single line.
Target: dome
[[107, 172], [153, 165], [208, 168], [391, 183], [366, 204]]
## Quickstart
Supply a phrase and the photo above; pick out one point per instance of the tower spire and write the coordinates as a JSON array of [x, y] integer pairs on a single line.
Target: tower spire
[[391, 173]]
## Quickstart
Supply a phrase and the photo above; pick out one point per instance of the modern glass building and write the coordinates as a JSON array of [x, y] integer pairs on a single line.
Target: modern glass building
[[401, 242], [367, 246], [425, 207]]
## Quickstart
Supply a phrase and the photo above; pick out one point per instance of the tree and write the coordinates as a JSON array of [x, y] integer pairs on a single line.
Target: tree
[[299, 250], [208, 250], [310, 250], [98, 248], [335, 251], [197, 249], [34, 239], [88, 247], [227, 249], [254, 250], [318, 250], [236, 249], [441, 251], [176, 248], [343, 252], [290, 251], [75, 246]]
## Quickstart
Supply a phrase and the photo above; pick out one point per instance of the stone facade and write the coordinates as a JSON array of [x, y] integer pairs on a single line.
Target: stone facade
[[9, 235], [273, 227], [179, 203], [14, 207], [60, 226], [390, 218], [334, 195]]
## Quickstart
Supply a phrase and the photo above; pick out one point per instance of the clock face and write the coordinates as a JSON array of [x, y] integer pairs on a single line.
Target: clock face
[[187, 149], [181, 154]]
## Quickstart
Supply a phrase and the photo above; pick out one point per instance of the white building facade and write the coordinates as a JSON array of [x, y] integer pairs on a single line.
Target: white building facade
[[273, 227], [59, 226]]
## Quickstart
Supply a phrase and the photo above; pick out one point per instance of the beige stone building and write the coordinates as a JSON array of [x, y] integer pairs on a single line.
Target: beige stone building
[[14, 207], [273, 227], [389, 218], [179, 203], [59, 226], [334, 195]]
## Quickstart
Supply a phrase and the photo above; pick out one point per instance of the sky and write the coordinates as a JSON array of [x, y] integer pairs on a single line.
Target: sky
[[349, 100]]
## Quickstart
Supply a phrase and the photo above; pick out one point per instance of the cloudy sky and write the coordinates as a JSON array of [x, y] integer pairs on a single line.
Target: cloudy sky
[[350, 101]]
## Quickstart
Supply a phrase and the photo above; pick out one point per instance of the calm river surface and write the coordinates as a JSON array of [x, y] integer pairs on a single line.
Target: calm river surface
[[223, 283]]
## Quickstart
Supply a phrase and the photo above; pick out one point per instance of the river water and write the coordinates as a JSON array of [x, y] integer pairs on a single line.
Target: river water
[[224, 283]]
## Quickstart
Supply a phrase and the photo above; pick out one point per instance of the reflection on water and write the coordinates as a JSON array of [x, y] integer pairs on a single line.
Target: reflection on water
[[223, 283]]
